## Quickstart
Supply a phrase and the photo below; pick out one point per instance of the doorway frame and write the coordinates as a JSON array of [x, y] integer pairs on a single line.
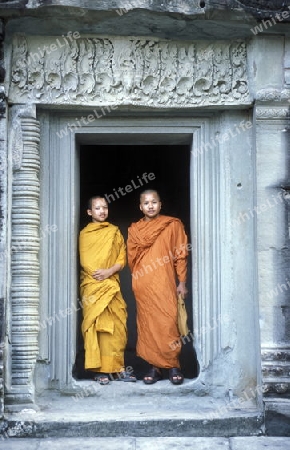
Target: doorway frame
[[208, 183]]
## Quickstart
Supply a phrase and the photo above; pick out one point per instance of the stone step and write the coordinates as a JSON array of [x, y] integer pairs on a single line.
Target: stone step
[[135, 409], [150, 443]]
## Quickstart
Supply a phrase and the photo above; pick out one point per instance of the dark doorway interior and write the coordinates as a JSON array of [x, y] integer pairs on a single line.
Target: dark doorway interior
[[105, 168]]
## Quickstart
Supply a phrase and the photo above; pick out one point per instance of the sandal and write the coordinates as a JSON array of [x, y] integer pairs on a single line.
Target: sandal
[[153, 376], [175, 376], [102, 378], [125, 376]]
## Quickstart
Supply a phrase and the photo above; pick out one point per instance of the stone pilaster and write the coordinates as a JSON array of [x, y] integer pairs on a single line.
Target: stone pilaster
[[24, 298], [273, 212]]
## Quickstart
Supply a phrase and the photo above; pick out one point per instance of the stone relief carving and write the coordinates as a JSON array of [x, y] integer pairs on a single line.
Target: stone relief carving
[[276, 354], [276, 371], [95, 70], [270, 95], [272, 113]]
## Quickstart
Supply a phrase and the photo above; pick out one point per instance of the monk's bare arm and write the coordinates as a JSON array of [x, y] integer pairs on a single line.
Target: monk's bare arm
[[103, 274], [181, 289], [181, 259], [131, 249]]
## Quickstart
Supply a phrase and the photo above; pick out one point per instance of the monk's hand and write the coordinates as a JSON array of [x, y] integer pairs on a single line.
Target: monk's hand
[[181, 289], [102, 274]]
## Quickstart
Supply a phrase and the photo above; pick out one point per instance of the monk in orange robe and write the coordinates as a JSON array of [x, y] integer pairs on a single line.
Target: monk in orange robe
[[102, 256], [157, 256]]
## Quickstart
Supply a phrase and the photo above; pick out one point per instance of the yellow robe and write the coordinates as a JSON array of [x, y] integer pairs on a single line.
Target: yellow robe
[[101, 245]]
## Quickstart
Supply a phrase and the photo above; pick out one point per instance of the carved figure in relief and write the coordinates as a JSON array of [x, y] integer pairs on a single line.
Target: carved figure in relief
[[151, 53], [70, 79], [138, 73], [203, 81], [124, 68], [19, 71], [102, 67], [85, 68], [127, 66], [97, 64], [222, 72], [168, 71], [53, 74], [239, 73], [185, 72], [36, 76]]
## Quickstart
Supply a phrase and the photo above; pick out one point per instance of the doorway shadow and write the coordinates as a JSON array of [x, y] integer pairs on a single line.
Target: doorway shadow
[[107, 168]]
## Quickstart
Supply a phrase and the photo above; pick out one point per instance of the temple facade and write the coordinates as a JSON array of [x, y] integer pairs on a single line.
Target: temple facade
[[206, 84]]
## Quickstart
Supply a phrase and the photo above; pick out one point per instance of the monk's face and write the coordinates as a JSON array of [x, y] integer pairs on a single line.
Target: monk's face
[[150, 205], [99, 211]]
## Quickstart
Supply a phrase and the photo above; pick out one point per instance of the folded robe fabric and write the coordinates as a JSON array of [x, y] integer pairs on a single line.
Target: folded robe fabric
[[101, 245], [157, 255]]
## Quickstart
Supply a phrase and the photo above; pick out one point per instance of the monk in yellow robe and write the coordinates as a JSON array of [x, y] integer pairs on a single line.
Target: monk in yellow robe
[[102, 256], [157, 257]]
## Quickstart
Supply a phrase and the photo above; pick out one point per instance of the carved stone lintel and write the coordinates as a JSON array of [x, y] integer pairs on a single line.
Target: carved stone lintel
[[25, 265], [128, 71]]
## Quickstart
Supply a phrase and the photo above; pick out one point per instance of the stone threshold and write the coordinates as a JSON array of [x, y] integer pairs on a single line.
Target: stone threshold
[[134, 409]]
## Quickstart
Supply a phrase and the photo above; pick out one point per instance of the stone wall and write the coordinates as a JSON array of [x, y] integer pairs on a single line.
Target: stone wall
[[211, 72], [210, 19], [3, 216]]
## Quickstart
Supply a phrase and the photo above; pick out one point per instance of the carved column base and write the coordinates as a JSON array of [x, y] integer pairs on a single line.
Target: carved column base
[[276, 371]]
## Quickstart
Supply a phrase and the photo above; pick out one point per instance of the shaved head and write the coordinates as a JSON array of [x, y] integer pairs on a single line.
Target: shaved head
[[94, 197], [150, 191]]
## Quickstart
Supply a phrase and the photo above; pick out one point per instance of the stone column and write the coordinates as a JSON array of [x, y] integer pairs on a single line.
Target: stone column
[[24, 293], [272, 123], [3, 208], [270, 84]]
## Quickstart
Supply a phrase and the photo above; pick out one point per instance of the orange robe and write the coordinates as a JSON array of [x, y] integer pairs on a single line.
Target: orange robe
[[157, 255], [101, 245]]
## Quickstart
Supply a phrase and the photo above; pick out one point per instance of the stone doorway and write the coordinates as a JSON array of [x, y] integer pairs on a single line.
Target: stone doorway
[[216, 168], [63, 195], [103, 169]]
